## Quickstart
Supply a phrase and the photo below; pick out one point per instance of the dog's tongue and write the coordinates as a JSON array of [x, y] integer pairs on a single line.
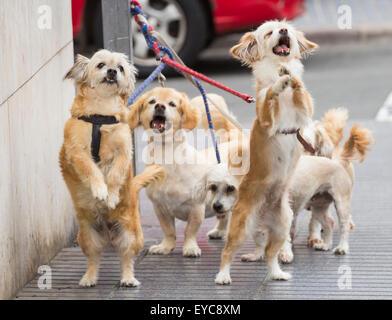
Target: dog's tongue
[[158, 124], [282, 48]]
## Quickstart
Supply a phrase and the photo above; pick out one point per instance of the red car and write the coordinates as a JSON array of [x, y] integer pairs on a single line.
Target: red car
[[188, 25]]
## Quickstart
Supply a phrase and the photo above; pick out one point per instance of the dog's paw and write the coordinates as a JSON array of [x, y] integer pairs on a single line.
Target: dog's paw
[[100, 191], [216, 234], [112, 200], [129, 282], [251, 257], [286, 256], [160, 249], [281, 84], [341, 249], [322, 246], [283, 71], [191, 250], [88, 281], [279, 275], [313, 241], [223, 277]]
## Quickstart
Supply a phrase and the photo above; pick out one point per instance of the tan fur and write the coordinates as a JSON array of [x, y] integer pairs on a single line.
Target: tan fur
[[357, 144], [248, 53], [152, 174], [185, 116], [325, 135], [246, 49], [103, 193], [222, 125], [306, 46], [282, 102], [334, 122]]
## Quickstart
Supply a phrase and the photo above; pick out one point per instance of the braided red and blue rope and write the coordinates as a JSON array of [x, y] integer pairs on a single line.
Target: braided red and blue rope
[[160, 51]]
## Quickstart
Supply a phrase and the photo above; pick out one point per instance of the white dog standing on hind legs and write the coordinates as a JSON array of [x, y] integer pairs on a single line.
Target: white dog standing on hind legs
[[283, 106]]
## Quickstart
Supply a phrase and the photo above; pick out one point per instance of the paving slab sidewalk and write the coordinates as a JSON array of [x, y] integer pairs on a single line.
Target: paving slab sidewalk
[[367, 269]]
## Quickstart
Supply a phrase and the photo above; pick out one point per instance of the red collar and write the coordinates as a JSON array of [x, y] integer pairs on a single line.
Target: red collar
[[308, 147]]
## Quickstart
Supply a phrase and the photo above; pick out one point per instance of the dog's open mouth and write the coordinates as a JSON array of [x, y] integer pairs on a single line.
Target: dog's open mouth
[[283, 47], [220, 215], [109, 81], [158, 123]]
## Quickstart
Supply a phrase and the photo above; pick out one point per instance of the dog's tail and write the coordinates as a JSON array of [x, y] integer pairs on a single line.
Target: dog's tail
[[334, 123], [356, 145], [151, 174], [222, 125]]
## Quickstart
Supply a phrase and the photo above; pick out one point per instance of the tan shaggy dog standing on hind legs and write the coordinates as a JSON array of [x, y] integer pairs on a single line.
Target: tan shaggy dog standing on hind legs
[[96, 162], [283, 107]]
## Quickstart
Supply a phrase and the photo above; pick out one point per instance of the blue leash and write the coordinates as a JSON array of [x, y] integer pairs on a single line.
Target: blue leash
[[145, 84], [150, 40], [209, 119], [150, 78]]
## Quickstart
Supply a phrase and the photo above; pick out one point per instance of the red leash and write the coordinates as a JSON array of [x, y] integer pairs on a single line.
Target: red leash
[[246, 97], [153, 44]]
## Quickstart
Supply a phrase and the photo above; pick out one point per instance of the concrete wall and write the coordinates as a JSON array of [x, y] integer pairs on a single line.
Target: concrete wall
[[36, 213]]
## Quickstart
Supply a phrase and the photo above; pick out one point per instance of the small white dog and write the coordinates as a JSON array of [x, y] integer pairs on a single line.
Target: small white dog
[[234, 154], [316, 184], [222, 192]]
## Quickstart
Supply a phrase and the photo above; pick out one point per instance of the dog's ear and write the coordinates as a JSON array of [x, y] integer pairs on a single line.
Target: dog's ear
[[130, 76], [190, 116], [78, 72], [136, 109], [247, 49], [305, 46]]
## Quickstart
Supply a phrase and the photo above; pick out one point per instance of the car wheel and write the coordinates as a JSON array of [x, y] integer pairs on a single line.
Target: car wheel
[[182, 23]]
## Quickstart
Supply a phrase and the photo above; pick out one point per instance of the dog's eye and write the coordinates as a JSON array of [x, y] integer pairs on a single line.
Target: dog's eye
[[213, 187], [152, 101], [101, 65], [268, 35], [172, 104], [230, 189], [121, 68]]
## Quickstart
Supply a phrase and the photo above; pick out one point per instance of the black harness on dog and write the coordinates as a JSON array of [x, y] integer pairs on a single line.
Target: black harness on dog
[[97, 121]]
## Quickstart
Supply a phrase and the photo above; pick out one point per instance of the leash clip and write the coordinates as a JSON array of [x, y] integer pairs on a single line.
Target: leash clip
[[160, 55], [161, 79], [250, 99]]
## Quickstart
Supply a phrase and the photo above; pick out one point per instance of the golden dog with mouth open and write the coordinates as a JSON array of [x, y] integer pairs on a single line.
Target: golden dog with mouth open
[[196, 187]]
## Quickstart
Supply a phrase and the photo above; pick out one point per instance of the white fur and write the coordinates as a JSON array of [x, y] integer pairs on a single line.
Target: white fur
[[185, 193], [223, 277], [313, 178]]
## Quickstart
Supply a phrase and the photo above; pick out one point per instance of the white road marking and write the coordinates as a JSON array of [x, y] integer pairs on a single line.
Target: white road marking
[[385, 112]]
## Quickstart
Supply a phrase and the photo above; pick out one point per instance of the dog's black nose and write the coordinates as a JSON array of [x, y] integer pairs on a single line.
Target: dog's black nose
[[112, 74], [283, 32], [217, 206], [160, 107]]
